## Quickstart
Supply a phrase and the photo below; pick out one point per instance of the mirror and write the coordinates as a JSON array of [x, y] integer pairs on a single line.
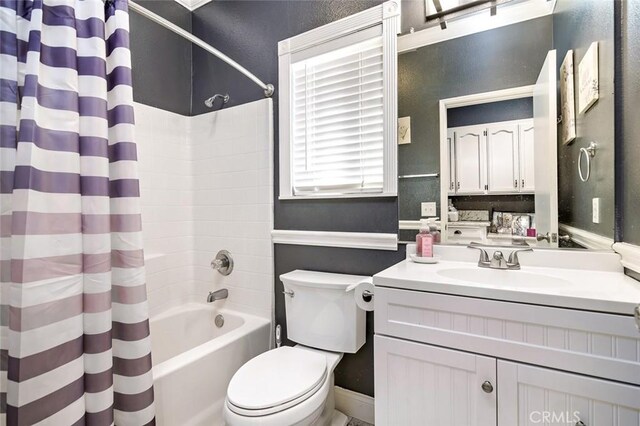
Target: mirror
[[506, 125]]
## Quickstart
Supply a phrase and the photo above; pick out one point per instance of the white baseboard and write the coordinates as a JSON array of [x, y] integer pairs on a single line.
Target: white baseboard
[[360, 240], [355, 404]]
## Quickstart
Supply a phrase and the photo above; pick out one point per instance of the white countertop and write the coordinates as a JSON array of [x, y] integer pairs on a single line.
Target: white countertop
[[602, 288]]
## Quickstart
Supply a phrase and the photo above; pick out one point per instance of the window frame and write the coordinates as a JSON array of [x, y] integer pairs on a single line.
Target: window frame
[[385, 15]]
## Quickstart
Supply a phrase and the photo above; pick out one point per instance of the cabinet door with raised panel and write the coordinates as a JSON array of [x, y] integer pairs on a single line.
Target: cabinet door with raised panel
[[502, 158], [527, 153], [452, 163], [529, 396], [418, 384], [470, 167]]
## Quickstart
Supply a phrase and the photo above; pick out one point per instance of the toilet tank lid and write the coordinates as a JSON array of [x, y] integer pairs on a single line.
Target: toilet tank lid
[[321, 279]]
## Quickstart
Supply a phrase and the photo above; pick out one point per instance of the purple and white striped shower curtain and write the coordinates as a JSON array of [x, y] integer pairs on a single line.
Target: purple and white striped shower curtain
[[74, 337]]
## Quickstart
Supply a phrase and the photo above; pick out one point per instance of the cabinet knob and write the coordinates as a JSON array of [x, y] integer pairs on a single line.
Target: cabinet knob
[[515, 183], [487, 387]]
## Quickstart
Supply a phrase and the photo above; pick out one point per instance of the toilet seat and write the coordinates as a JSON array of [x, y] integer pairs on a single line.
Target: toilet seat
[[275, 381]]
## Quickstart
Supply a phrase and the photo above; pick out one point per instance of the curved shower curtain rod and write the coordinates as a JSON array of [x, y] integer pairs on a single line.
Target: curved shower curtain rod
[[268, 88]]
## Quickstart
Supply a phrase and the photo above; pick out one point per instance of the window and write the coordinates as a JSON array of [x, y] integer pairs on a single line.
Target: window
[[338, 109]]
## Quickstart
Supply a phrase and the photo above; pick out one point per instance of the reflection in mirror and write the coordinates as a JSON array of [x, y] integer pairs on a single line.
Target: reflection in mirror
[[496, 125]]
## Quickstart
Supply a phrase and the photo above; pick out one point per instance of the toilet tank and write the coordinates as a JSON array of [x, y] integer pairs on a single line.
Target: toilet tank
[[322, 312]]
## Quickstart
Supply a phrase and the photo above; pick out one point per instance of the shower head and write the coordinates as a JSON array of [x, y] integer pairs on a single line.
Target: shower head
[[209, 102]]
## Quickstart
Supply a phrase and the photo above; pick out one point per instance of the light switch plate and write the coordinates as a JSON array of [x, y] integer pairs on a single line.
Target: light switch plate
[[595, 210], [428, 209]]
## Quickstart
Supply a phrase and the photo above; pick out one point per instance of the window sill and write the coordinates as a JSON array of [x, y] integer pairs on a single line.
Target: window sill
[[338, 196]]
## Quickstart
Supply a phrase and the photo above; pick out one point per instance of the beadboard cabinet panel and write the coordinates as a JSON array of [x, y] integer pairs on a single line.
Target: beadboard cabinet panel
[[418, 384], [597, 344], [529, 396]]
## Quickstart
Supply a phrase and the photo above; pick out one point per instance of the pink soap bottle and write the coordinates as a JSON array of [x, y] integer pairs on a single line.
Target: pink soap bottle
[[424, 240]]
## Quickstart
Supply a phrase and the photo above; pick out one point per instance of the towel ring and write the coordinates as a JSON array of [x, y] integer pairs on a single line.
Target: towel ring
[[588, 152]]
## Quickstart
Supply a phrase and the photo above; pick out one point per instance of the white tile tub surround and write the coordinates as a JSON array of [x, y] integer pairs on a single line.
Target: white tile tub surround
[[233, 203], [164, 158], [207, 185]]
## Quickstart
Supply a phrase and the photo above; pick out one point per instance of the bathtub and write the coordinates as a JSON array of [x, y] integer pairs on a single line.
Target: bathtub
[[194, 360]]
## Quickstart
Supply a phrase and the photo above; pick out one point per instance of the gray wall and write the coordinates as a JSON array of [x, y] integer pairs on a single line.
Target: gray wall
[[161, 60], [476, 61], [629, 123], [515, 109], [576, 24], [249, 31]]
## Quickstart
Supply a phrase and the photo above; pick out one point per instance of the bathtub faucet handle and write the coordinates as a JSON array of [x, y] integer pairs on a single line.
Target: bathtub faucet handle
[[223, 262]]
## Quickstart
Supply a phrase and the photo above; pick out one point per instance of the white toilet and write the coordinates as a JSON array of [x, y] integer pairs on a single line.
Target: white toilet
[[294, 385]]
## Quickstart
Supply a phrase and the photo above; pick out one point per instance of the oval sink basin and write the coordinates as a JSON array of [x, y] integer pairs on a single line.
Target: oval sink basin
[[504, 278]]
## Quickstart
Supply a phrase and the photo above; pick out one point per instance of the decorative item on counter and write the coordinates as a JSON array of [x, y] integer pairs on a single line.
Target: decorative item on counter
[[511, 223], [452, 215], [473, 215], [531, 232], [520, 224]]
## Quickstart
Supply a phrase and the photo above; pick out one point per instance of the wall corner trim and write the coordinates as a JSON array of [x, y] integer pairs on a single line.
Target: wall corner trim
[[357, 240], [192, 5], [630, 254], [587, 239], [355, 404]]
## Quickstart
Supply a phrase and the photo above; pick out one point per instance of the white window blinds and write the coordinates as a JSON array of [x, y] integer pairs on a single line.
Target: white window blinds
[[337, 116]]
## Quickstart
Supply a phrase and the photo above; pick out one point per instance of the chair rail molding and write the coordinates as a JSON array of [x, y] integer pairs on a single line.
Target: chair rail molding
[[587, 239], [630, 254], [358, 240]]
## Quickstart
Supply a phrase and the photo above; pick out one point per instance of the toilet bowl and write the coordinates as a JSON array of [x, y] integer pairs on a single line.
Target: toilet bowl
[[285, 386], [294, 385]]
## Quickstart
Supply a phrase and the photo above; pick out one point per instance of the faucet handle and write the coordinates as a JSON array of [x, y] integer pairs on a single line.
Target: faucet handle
[[484, 257], [513, 257]]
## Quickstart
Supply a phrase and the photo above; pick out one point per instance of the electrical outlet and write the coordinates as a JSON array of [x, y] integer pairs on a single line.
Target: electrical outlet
[[428, 209], [595, 211]]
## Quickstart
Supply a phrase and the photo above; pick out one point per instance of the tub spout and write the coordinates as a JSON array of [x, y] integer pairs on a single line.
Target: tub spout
[[217, 295]]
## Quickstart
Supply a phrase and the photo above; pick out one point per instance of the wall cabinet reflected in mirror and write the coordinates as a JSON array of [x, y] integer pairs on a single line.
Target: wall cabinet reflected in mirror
[[486, 128]]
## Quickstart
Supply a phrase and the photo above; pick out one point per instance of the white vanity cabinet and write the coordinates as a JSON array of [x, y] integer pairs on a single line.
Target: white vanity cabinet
[[470, 167], [530, 396], [427, 385], [493, 158], [526, 156], [452, 163], [452, 360], [503, 161]]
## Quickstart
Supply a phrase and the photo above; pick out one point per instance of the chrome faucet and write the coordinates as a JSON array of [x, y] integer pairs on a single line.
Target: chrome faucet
[[223, 293], [498, 261]]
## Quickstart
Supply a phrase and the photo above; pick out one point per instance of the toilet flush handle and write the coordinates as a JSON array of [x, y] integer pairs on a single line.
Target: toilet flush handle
[[289, 293]]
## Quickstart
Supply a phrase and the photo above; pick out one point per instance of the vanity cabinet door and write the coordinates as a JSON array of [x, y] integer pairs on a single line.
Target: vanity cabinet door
[[502, 158], [470, 168], [452, 163], [530, 396], [527, 154], [418, 384]]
